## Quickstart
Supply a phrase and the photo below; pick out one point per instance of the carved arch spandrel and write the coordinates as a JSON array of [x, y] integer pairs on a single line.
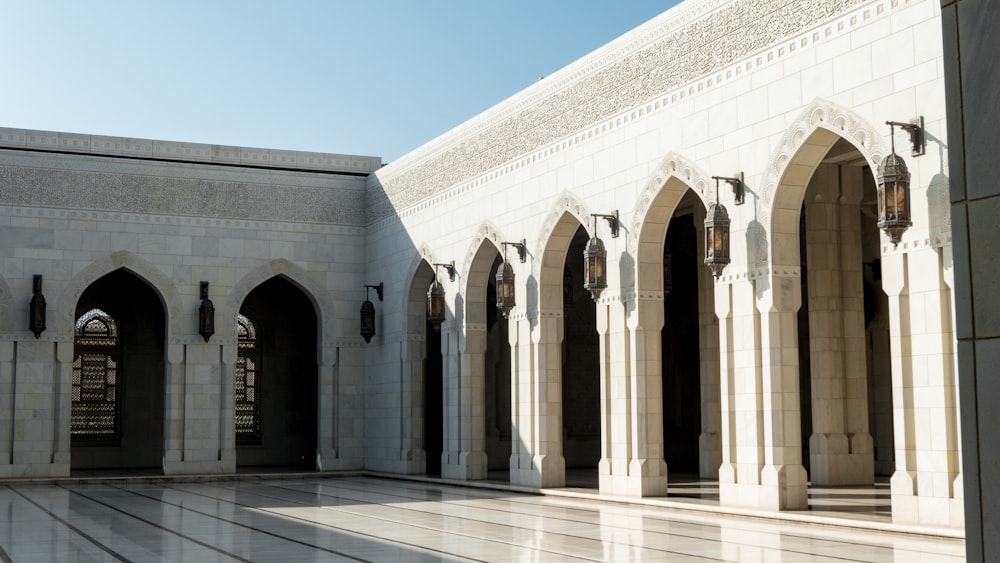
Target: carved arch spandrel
[[819, 115]]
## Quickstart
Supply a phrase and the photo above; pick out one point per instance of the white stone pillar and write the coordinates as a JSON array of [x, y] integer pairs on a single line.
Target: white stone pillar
[[229, 353], [412, 450], [471, 407], [536, 346], [840, 447], [761, 450], [710, 439], [173, 408], [329, 409], [632, 461], [7, 412], [62, 407], [925, 399], [451, 384]]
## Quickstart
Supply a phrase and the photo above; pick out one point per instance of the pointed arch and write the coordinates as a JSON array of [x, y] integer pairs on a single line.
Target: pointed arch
[[568, 214], [478, 263], [791, 166], [298, 277], [160, 282], [418, 278], [653, 210]]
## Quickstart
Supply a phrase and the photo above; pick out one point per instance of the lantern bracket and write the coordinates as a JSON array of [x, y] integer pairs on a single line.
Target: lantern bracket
[[739, 187], [612, 220], [378, 290], [522, 249], [450, 267], [915, 128]]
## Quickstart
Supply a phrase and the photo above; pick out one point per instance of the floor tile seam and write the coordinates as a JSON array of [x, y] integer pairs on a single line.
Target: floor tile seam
[[833, 543], [836, 523], [480, 537], [325, 525], [159, 527], [246, 526], [99, 545]]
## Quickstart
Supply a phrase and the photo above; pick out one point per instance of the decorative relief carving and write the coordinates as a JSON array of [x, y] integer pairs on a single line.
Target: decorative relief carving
[[487, 231], [672, 57], [820, 113], [672, 165], [176, 195]]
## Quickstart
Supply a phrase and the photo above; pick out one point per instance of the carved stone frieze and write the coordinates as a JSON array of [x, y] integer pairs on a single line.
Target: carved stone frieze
[[177, 195], [626, 75]]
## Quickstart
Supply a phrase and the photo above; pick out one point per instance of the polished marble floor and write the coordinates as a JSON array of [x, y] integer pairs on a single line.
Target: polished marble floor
[[362, 518]]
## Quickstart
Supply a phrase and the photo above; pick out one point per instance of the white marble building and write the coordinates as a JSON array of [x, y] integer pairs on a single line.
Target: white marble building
[[822, 354]]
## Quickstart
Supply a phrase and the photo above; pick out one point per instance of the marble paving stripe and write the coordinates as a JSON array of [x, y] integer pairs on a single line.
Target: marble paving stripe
[[256, 529], [839, 537], [156, 525], [482, 528], [117, 556], [353, 521], [832, 542]]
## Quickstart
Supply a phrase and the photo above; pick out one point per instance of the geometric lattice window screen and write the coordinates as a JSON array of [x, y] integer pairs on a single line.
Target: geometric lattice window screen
[[247, 382], [96, 388]]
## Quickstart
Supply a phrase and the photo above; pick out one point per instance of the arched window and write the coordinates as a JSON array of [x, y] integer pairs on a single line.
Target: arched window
[[96, 390], [247, 379]]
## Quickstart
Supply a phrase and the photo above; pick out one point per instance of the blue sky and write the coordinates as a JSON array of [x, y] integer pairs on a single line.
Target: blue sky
[[369, 77]]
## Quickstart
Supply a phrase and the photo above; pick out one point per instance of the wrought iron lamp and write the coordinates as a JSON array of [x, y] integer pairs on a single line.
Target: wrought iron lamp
[[739, 188], [435, 296], [595, 257], [894, 182], [368, 312], [505, 277], [717, 235], [206, 314], [36, 309]]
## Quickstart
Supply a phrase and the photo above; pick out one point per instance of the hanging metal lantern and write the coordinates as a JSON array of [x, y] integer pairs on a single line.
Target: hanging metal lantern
[[435, 296], [435, 304], [505, 288], [368, 313], [36, 309], [894, 194], [595, 259], [206, 314], [717, 236]]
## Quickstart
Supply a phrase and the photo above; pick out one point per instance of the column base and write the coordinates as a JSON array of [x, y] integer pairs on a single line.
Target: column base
[[471, 466], [781, 487], [836, 459], [637, 479], [541, 471]]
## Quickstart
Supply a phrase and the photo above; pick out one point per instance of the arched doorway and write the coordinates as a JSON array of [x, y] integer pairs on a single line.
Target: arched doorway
[[845, 376], [117, 375], [277, 378], [581, 374], [681, 340]]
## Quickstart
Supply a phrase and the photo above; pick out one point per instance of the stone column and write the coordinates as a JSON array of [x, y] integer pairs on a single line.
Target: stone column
[[761, 450], [173, 408], [537, 388], [451, 383], [6, 406], [412, 451], [227, 407], [62, 407], [710, 440], [632, 461], [925, 400], [840, 447], [471, 397], [329, 409]]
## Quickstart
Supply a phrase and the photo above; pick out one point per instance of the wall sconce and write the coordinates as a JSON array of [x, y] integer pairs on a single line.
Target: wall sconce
[[505, 277], [206, 314], [595, 258], [435, 297], [36, 309], [918, 138], [739, 188], [717, 235], [368, 313], [668, 276], [894, 186]]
